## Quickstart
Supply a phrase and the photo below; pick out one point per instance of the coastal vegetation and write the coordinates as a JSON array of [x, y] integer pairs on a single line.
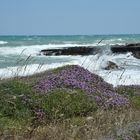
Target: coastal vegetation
[[67, 103]]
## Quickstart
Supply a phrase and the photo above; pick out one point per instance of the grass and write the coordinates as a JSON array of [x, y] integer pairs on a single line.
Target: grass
[[132, 93], [12, 110], [132, 135], [63, 113], [64, 103]]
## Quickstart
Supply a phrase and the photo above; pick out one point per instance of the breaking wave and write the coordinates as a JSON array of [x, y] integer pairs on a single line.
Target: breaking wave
[[3, 42]]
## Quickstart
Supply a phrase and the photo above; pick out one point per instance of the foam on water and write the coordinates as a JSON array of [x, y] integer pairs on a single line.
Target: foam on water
[[127, 74], [3, 42], [35, 49], [29, 69], [119, 77]]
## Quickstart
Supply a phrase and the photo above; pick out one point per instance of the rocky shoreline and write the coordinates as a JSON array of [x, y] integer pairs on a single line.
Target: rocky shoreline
[[134, 48]]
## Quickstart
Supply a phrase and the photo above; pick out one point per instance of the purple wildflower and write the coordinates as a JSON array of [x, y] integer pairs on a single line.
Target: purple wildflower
[[76, 77]]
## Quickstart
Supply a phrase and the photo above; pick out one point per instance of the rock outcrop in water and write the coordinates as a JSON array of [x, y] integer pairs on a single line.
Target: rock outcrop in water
[[77, 50], [134, 48], [111, 65], [87, 50]]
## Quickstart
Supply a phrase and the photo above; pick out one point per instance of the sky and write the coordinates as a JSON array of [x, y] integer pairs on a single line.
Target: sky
[[69, 17]]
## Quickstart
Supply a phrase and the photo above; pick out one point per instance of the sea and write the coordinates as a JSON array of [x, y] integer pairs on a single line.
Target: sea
[[20, 56]]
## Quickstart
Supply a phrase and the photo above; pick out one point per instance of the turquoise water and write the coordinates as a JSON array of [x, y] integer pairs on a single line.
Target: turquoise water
[[76, 39], [15, 50]]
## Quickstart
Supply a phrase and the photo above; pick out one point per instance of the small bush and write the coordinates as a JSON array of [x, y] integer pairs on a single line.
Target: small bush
[[135, 102], [129, 92], [65, 104], [11, 106]]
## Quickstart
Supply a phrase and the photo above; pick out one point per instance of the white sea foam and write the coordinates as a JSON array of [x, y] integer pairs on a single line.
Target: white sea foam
[[94, 63], [29, 69], [118, 77], [35, 49], [127, 74], [120, 40], [3, 42]]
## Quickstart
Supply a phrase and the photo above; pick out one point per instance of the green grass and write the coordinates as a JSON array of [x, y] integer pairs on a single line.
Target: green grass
[[64, 103], [130, 94], [12, 110], [57, 105]]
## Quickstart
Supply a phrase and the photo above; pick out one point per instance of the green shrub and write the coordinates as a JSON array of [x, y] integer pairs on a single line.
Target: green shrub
[[11, 106], [65, 104], [130, 94], [135, 102]]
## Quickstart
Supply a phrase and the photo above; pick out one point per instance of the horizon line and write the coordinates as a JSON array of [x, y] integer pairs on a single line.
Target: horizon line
[[68, 34]]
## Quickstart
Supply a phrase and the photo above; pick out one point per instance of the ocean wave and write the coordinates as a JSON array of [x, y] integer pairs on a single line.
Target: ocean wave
[[29, 69], [118, 77], [117, 41], [128, 74], [3, 42], [34, 50], [94, 63]]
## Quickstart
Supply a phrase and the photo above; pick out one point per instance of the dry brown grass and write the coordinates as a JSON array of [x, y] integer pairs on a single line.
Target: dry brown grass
[[93, 127]]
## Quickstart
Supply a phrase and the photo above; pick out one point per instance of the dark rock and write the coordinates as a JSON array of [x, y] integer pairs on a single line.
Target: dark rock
[[126, 48], [111, 65], [87, 50], [70, 51], [136, 54], [134, 48], [133, 44]]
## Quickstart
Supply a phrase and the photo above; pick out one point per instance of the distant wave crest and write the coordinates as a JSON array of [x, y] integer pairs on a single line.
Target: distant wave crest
[[3, 42]]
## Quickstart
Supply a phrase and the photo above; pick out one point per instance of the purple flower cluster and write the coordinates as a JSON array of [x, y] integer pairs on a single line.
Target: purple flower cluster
[[76, 77]]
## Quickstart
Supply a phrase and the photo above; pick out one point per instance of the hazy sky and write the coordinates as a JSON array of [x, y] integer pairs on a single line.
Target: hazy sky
[[64, 17]]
